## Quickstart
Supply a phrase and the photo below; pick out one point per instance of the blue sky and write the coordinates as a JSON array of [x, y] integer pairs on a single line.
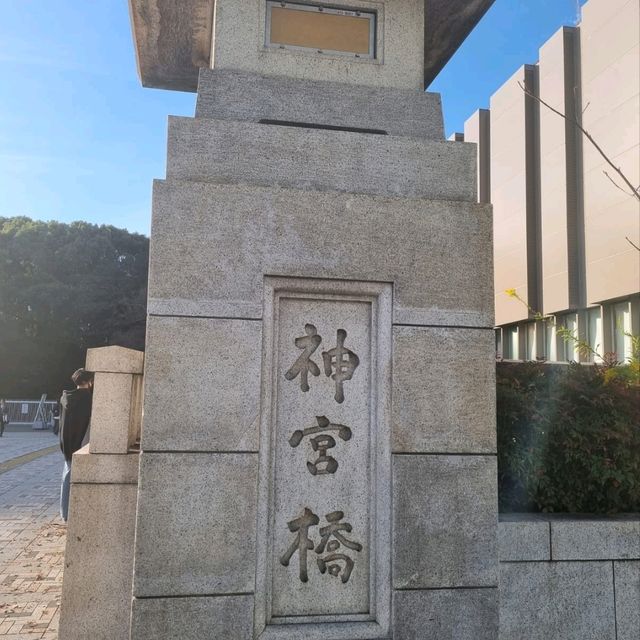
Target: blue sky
[[80, 139]]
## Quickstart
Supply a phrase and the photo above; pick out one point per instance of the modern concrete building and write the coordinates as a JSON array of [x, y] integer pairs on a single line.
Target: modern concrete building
[[563, 219]]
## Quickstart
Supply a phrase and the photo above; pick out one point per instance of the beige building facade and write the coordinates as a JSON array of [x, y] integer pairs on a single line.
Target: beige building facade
[[564, 220]]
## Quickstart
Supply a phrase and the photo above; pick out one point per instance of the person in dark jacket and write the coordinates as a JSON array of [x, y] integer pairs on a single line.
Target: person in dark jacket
[[74, 428]]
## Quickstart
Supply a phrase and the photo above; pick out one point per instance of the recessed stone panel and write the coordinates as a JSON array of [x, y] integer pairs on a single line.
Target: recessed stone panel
[[445, 521], [325, 459], [202, 385], [443, 390], [196, 526]]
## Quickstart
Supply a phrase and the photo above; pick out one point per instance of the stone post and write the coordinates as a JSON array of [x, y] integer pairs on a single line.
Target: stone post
[[96, 591], [318, 456]]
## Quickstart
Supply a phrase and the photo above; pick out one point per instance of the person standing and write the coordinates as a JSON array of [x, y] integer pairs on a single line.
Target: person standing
[[4, 417], [74, 428]]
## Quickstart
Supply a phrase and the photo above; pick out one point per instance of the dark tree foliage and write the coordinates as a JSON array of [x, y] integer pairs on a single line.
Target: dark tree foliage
[[568, 438], [65, 288]]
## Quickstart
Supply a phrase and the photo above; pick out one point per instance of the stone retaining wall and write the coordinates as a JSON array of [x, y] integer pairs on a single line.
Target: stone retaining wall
[[569, 578]]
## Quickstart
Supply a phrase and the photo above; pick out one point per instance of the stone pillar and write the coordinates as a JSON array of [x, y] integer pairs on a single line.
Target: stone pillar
[[96, 593], [318, 448]]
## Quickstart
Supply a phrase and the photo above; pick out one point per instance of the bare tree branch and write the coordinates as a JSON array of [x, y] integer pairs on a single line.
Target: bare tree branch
[[635, 246], [587, 135], [617, 186]]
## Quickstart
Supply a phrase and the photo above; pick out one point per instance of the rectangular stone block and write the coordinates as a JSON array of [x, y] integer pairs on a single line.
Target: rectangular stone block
[[96, 593], [111, 416], [228, 617], [445, 521], [627, 582], [227, 94], [446, 614], [206, 150], [202, 384], [523, 541], [97, 468], [443, 390], [196, 525], [437, 254], [115, 359], [563, 600], [611, 539]]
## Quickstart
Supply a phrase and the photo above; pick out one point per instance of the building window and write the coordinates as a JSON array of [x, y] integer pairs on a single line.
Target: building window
[[530, 351], [567, 346], [320, 29], [621, 331], [594, 335], [550, 341], [498, 333], [510, 349]]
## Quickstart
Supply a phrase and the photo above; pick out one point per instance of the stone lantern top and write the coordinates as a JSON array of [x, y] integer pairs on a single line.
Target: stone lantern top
[[386, 43]]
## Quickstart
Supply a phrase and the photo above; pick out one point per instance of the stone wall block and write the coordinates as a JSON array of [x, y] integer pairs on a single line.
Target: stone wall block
[[227, 94], [115, 404], [523, 541], [557, 600], [96, 594], [207, 150], [441, 267], [228, 617], [446, 614], [115, 359], [202, 385], [443, 390], [445, 521], [627, 582], [100, 468], [196, 526], [613, 539]]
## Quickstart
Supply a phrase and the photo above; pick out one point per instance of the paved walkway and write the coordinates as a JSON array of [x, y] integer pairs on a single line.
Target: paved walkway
[[32, 536], [18, 443]]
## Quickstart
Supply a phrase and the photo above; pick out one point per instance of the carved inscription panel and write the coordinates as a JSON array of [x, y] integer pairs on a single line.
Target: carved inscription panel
[[322, 457], [320, 453]]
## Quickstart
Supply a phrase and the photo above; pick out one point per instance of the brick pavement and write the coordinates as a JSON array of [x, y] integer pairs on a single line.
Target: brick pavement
[[18, 443], [32, 539]]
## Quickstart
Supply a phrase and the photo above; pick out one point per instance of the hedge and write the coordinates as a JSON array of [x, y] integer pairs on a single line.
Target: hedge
[[568, 438]]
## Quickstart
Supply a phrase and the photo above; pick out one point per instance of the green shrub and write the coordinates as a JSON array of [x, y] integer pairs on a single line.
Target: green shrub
[[568, 438]]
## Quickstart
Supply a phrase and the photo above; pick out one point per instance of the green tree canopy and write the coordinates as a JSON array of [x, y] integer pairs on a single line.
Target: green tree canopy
[[65, 288]]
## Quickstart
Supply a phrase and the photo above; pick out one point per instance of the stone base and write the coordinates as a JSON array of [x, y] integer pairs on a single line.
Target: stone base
[[96, 593]]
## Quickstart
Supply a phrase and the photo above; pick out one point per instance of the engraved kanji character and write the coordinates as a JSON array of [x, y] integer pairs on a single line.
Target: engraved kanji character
[[331, 561], [302, 543], [343, 360], [323, 464], [303, 365]]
